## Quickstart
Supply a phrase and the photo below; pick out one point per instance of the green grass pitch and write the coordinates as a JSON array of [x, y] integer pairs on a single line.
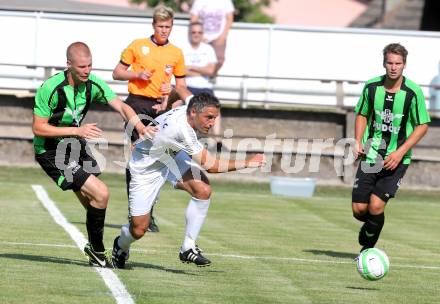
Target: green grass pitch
[[264, 248]]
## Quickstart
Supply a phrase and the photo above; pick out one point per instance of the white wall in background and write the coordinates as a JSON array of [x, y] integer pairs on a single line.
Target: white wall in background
[[253, 49]]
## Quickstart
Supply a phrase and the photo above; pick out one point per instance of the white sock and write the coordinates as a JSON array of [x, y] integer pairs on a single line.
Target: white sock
[[125, 239], [195, 216]]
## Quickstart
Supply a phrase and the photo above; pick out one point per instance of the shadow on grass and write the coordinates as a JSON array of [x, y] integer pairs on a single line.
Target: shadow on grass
[[117, 226], [44, 259], [334, 254], [194, 271], [131, 265], [361, 288]]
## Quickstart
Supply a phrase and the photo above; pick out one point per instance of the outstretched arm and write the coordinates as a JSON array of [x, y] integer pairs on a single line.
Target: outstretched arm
[[130, 116], [215, 165]]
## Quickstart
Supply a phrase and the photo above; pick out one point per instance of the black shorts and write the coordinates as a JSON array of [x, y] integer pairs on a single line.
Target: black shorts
[[142, 105], [383, 184], [71, 166]]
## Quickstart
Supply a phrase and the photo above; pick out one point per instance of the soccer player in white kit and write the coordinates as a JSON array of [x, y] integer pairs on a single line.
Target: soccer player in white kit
[[175, 154]]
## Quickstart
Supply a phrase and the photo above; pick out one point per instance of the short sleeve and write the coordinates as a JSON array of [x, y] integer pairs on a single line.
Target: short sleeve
[[229, 8], [41, 107], [179, 70], [128, 55], [101, 91], [363, 106], [419, 114]]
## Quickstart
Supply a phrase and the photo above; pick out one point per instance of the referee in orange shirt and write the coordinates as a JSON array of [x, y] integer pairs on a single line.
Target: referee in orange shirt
[[148, 64]]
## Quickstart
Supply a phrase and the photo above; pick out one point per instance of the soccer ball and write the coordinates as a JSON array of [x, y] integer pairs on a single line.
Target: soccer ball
[[372, 264]]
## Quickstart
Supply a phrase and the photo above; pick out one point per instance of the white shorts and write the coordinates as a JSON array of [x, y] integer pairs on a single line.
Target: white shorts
[[144, 188]]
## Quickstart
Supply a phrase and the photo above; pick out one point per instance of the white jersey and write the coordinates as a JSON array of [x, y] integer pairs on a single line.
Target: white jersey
[[199, 57], [174, 135], [213, 16]]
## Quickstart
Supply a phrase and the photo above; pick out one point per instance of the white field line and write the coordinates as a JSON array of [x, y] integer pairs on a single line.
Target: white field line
[[242, 257], [112, 281]]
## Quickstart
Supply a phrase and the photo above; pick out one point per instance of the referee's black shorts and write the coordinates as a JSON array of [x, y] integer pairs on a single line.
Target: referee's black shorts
[[69, 166], [383, 184], [142, 105]]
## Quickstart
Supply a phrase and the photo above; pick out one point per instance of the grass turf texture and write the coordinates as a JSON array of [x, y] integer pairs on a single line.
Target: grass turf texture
[[264, 248]]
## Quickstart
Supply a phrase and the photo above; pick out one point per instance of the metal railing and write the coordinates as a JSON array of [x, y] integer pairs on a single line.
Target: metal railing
[[244, 90]]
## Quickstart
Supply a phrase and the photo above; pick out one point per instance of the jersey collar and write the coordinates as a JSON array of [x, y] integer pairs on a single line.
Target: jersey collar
[[154, 41]]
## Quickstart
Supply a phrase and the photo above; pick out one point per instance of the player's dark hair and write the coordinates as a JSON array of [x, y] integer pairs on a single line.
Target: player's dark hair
[[172, 98], [201, 101], [395, 48]]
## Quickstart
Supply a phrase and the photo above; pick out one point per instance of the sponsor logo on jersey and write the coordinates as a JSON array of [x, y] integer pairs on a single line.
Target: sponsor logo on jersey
[[76, 114], [168, 69], [387, 121], [145, 50]]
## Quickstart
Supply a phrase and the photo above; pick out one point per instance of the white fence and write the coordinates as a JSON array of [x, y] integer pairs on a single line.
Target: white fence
[[263, 62]]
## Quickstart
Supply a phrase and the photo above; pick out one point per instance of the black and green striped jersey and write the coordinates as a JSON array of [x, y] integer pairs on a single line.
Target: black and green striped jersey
[[65, 105], [392, 117]]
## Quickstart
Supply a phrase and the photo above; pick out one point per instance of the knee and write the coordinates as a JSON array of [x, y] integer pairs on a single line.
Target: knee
[[376, 209], [202, 192], [138, 231], [359, 211], [220, 60], [102, 197]]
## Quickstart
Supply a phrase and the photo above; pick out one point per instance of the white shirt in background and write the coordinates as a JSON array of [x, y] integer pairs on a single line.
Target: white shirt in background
[[212, 14], [199, 57]]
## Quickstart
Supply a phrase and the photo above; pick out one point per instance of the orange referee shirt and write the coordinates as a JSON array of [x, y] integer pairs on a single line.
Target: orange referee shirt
[[165, 60]]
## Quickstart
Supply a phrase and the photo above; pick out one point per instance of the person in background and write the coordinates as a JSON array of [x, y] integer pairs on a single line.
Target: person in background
[[217, 18], [434, 95], [149, 64], [200, 60]]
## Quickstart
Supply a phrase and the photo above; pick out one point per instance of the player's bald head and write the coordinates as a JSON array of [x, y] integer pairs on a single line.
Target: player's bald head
[[77, 49]]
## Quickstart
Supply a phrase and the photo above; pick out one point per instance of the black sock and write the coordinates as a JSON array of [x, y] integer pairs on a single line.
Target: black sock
[[95, 227], [370, 231], [363, 217]]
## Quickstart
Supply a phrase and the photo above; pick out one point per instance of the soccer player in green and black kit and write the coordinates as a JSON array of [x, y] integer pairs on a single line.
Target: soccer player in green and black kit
[[60, 148], [391, 119]]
